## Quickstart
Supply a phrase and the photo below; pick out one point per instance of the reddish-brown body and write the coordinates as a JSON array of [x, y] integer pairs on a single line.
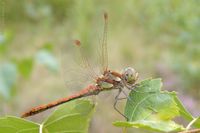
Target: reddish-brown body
[[89, 90]]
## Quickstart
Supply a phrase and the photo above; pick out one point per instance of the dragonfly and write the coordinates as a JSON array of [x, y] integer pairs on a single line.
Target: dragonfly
[[108, 80]]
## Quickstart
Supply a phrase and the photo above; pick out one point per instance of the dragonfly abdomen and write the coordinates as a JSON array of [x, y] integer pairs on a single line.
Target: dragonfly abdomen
[[90, 90]]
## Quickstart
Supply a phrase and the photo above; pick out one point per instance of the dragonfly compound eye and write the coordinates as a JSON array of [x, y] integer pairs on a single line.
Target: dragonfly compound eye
[[129, 75]]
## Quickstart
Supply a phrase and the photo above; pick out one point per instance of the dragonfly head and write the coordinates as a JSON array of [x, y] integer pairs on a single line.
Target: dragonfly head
[[129, 75]]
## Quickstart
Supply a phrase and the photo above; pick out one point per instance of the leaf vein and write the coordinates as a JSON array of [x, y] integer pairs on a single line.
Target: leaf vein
[[64, 116]]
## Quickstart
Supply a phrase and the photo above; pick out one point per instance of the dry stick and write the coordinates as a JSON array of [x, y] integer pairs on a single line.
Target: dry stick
[[192, 131]]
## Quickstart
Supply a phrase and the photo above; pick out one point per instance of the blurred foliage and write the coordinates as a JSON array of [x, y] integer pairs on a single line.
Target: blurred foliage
[[5, 38], [46, 58], [25, 67], [36, 10], [174, 24], [11, 65], [8, 78]]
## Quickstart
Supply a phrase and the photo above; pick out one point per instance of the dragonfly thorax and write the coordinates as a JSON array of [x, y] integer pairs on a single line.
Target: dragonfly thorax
[[129, 76], [109, 80]]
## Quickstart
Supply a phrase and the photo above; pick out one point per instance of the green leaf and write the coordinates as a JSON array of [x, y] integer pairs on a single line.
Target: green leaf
[[25, 67], [10, 124], [195, 122], [46, 58], [161, 126], [150, 108], [185, 114], [8, 77], [148, 102], [73, 117]]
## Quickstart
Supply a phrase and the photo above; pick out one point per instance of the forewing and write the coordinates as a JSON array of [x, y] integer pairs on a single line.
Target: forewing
[[103, 45], [75, 72]]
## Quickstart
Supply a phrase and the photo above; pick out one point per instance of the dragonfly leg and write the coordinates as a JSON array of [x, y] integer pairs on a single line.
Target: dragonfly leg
[[115, 104], [132, 88], [127, 97]]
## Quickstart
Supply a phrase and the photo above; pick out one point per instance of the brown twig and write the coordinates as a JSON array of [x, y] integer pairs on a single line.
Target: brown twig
[[192, 131]]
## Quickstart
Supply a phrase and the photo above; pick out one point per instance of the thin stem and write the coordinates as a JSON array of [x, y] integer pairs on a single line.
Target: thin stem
[[124, 130], [192, 131], [191, 123]]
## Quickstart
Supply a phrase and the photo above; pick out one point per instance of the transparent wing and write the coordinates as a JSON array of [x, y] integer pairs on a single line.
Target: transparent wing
[[76, 70], [103, 47]]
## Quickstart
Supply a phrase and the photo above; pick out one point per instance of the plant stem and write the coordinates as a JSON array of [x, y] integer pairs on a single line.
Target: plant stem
[[192, 131], [124, 130]]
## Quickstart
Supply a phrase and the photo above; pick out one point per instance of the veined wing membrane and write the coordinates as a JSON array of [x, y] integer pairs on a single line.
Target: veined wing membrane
[[104, 51], [77, 72]]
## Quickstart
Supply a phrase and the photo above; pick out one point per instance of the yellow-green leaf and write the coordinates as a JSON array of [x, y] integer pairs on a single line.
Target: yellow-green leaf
[[11, 124], [73, 117], [161, 126]]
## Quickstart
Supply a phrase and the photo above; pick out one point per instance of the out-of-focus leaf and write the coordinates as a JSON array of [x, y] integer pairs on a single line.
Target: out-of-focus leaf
[[48, 47], [161, 126], [73, 117], [2, 39], [8, 77], [46, 58], [25, 67], [6, 37], [37, 12], [10, 124], [2, 43]]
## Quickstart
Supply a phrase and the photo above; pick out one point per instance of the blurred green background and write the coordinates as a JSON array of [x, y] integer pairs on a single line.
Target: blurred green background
[[157, 38]]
